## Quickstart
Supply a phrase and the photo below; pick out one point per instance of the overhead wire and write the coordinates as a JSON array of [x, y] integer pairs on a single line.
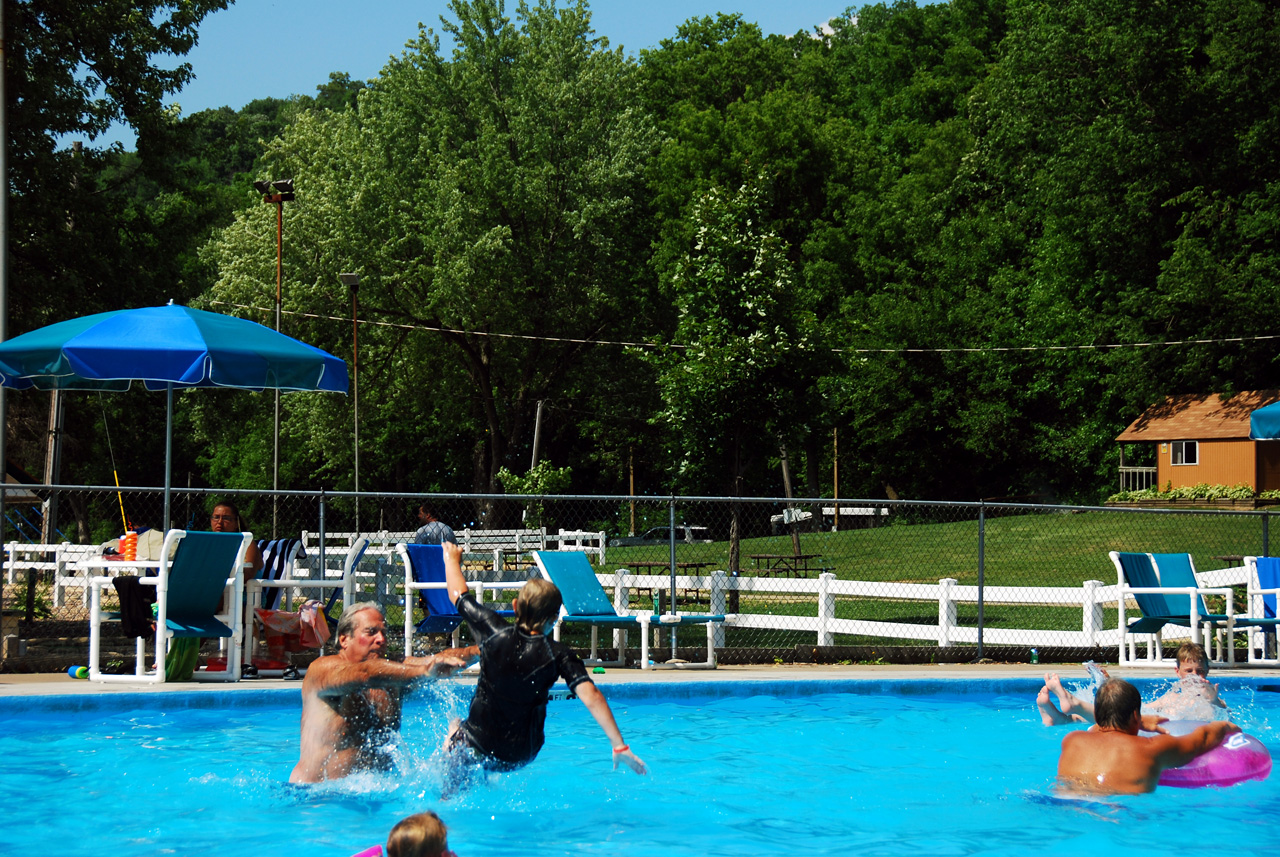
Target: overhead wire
[[675, 346]]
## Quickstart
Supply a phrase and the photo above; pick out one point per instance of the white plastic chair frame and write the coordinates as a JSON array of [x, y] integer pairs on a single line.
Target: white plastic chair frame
[[160, 581]]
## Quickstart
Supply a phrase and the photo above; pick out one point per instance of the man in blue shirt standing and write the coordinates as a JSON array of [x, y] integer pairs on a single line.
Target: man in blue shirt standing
[[433, 531]]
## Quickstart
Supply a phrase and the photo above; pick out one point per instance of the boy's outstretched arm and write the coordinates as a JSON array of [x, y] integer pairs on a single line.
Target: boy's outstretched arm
[[453, 576], [595, 702]]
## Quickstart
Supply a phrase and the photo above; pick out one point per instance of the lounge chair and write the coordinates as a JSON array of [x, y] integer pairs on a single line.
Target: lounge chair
[[279, 558], [424, 573], [585, 602], [1167, 592], [286, 555], [1263, 585], [189, 589]]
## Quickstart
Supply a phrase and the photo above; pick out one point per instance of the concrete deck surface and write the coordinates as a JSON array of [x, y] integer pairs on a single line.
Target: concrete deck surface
[[60, 683]]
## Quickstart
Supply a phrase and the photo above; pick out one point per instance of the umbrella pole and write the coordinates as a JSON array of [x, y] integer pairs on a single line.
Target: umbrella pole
[[168, 451]]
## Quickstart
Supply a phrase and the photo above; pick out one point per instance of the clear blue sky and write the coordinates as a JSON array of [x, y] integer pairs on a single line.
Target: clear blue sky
[[260, 48]]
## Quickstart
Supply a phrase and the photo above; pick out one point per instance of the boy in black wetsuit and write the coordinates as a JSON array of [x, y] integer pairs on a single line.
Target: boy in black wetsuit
[[518, 666]]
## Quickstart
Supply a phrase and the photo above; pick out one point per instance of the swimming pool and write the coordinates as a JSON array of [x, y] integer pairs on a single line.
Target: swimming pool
[[815, 768]]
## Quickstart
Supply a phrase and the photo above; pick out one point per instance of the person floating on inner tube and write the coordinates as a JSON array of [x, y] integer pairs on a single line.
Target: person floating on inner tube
[[1191, 698], [1112, 758]]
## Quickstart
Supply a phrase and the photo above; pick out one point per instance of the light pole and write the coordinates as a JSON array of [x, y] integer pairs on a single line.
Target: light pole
[[276, 193], [352, 281]]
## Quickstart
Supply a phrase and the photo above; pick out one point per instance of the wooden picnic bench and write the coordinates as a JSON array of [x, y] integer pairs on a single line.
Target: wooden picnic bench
[[788, 564]]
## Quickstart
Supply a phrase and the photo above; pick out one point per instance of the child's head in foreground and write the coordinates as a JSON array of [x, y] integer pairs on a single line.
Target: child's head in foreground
[[420, 835], [1192, 660]]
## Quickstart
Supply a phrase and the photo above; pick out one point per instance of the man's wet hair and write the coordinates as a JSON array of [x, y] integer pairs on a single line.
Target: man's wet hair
[[347, 621], [1115, 703], [539, 601]]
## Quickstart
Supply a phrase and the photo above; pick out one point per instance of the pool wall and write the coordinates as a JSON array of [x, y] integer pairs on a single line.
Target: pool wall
[[25, 706]]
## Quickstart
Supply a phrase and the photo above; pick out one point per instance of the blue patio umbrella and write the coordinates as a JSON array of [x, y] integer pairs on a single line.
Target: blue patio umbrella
[[165, 347], [1264, 423]]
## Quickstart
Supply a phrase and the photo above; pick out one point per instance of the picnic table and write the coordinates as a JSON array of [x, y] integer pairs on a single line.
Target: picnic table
[[665, 564], [792, 564]]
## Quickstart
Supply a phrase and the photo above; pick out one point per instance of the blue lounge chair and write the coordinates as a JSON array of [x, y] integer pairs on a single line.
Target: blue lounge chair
[[189, 589], [1264, 584], [279, 556], [271, 587], [585, 602], [1167, 592], [424, 573]]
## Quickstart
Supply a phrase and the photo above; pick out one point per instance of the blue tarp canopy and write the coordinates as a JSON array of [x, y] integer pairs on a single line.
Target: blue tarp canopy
[[1264, 423]]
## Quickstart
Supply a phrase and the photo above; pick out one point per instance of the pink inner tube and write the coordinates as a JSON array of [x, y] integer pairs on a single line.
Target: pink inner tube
[[1241, 757]]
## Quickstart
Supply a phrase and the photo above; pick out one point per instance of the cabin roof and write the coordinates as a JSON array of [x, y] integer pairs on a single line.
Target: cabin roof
[[1199, 416]]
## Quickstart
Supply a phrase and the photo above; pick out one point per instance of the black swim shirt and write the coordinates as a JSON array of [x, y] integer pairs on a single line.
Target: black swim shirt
[[516, 672]]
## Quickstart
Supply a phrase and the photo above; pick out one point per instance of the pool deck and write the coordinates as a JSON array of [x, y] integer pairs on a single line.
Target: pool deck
[[44, 684]]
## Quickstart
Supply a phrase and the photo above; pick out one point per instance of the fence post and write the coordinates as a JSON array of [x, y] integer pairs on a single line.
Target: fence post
[[719, 584], [1266, 533], [826, 608], [322, 565], [982, 559], [946, 610], [1091, 621], [621, 597]]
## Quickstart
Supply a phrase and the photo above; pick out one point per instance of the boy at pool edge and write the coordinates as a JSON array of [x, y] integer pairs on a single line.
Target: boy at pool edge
[[519, 664], [1192, 672], [1110, 757]]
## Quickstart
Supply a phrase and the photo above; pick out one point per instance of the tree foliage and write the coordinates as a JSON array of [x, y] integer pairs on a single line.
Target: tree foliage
[[942, 230]]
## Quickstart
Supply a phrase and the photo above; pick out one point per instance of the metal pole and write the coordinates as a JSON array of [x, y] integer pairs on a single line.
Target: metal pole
[[537, 435], [275, 464], [322, 572], [168, 450], [982, 547], [835, 477], [355, 390], [4, 262], [671, 605], [1266, 533]]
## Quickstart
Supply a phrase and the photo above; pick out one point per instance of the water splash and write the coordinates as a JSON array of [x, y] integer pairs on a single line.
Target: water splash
[[1189, 698]]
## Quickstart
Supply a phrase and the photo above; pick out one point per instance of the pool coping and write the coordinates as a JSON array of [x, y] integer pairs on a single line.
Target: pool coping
[[60, 684]]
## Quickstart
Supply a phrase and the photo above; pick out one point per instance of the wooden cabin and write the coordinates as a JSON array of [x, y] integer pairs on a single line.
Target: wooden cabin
[[1204, 438]]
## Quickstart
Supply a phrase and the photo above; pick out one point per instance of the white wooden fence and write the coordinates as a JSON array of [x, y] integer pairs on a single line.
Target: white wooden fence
[[945, 596]]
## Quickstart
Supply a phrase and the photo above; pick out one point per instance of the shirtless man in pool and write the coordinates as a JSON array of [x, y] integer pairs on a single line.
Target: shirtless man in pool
[[351, 701], [1112, 758]]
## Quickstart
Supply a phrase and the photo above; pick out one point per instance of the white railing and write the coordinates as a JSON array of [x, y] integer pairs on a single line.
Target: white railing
[[1137, 478], [584, 541], [945, 596]]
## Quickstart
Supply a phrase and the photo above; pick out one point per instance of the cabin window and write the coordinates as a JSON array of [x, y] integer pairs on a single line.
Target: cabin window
[[1185, 452]]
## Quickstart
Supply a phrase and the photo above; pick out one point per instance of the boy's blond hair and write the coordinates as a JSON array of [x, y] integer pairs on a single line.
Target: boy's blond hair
[[1193, 653], [538, 603], [420, 835]]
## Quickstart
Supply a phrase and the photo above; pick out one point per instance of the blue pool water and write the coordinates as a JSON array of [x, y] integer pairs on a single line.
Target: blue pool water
[[805, 768]]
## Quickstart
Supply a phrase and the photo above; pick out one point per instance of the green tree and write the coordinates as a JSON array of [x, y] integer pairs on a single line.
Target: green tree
[[495, 198]]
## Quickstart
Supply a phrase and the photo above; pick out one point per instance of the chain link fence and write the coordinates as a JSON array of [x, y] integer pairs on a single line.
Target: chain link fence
[[802, 580]]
